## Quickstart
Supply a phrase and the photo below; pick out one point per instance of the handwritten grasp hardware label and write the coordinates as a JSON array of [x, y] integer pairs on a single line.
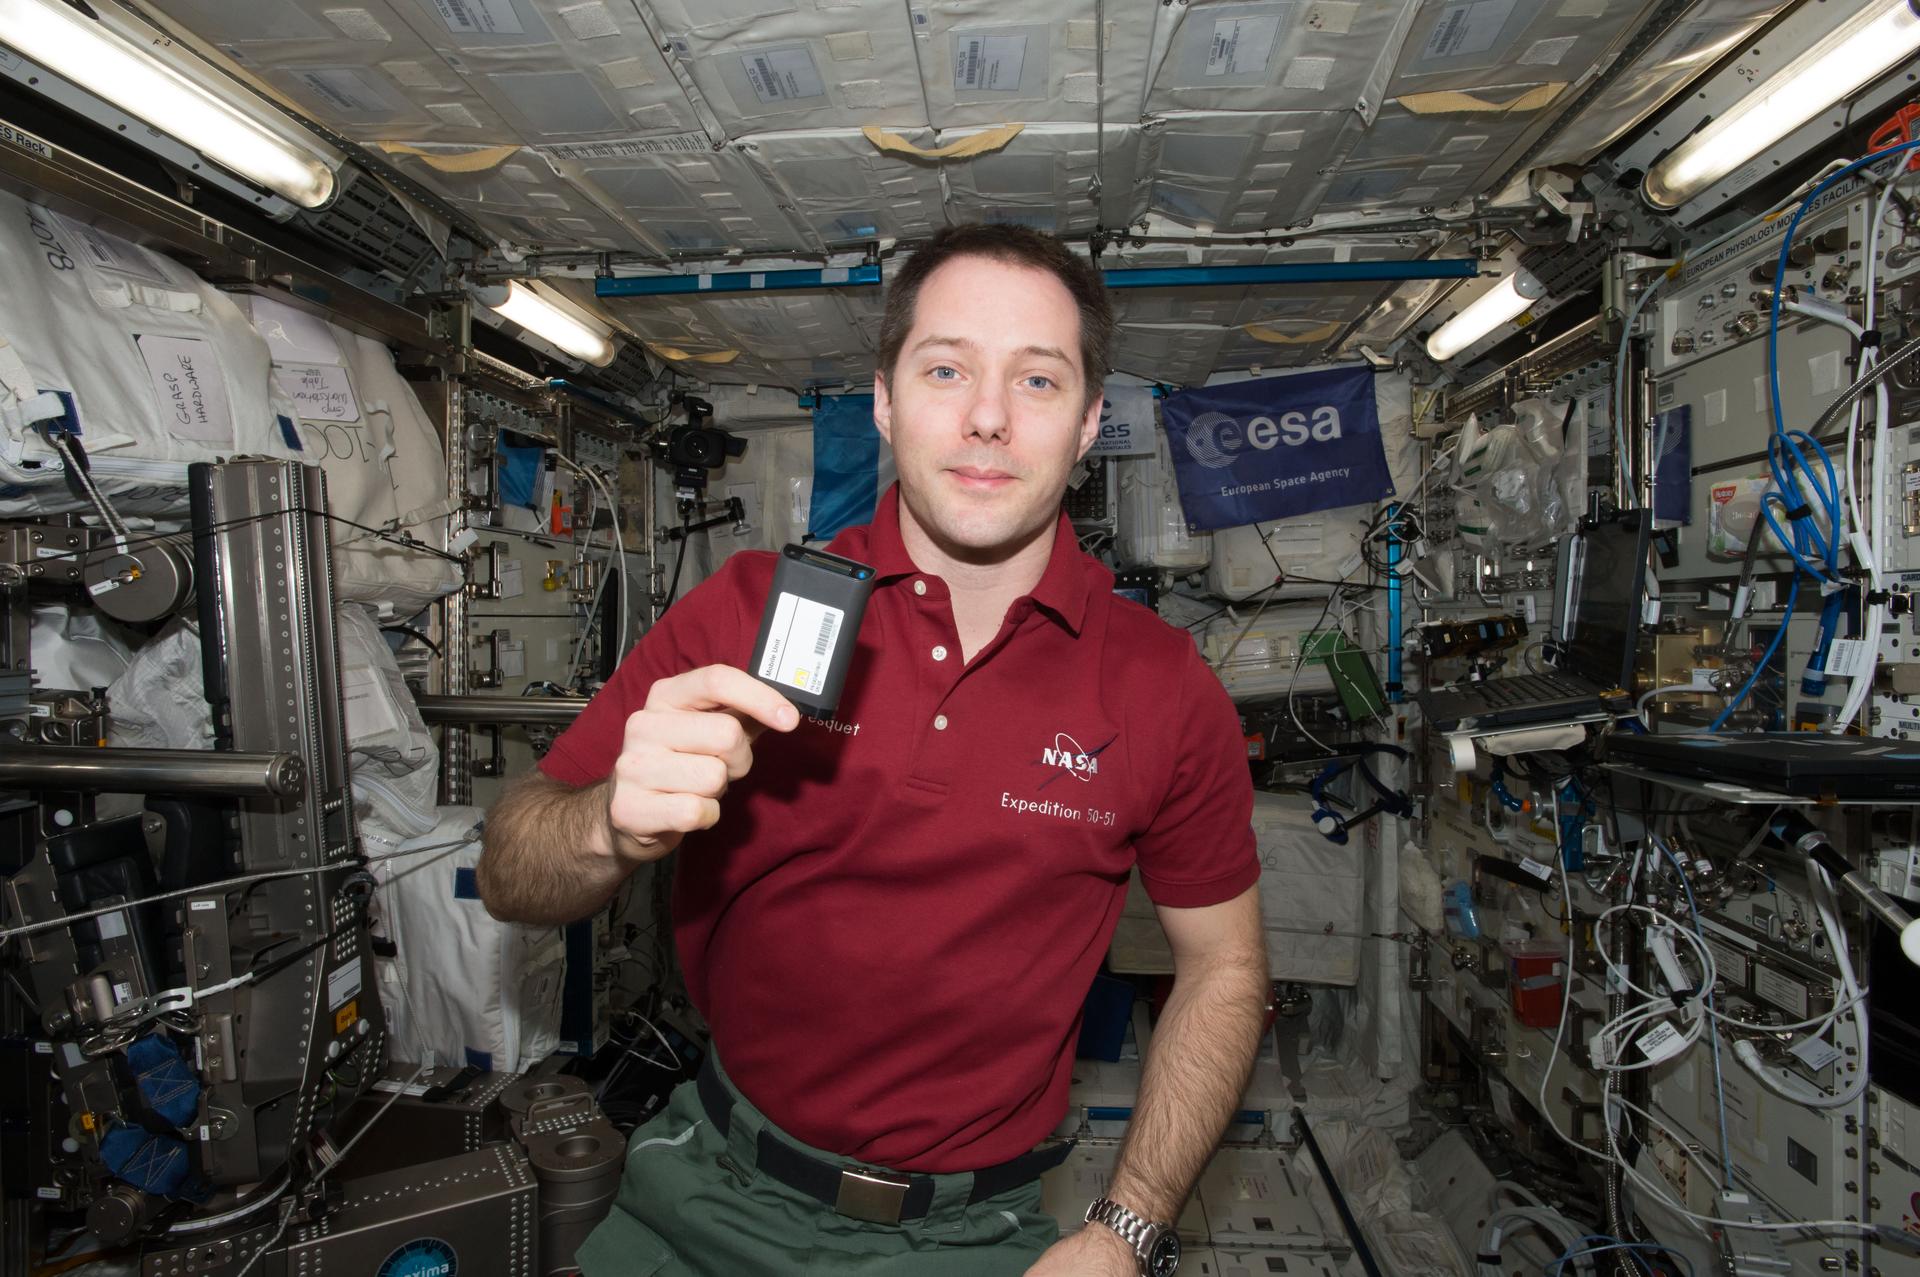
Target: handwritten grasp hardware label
[[189, 386]]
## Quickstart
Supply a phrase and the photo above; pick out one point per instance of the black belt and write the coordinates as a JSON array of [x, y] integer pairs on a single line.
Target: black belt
[[880, 1197]]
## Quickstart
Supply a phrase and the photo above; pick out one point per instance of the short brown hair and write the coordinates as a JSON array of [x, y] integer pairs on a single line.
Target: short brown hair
[[1016, 246]]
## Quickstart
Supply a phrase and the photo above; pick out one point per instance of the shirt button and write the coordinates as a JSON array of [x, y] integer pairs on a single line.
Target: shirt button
[[940, 723], [919, 587], [939, 653]]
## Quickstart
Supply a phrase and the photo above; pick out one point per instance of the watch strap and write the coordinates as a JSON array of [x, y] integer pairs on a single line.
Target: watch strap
[[1134, 1229]]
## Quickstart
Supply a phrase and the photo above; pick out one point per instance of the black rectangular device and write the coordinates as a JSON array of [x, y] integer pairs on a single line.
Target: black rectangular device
[[1803, 764], [1600, 594], [808, 629]]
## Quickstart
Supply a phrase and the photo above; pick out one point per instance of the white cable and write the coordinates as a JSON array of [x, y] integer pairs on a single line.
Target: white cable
[[68, 919], [1563, 1231], [1671, 689], [1788, 1085], [1665, 1198], [616, 549]]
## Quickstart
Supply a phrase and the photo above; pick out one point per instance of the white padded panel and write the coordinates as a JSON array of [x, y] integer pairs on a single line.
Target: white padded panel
[[613, 85], [1042, 178], [524, 202], [1709, 31], [790, 339], [1409, 160], [1461, 44], [1240, 170], [987, 62], [846, 190], [689, 201], [1276, 55], [1470, 139], [839, 65], [1171, 353]]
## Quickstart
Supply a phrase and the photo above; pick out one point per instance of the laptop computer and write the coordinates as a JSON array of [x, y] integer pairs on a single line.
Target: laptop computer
[[1599, 601], [1803, 764]]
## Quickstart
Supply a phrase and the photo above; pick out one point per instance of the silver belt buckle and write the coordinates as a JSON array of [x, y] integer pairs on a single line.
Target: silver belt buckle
[[871, 1195]]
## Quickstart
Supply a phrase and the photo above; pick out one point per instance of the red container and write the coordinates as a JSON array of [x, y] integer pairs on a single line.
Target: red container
[[1537, 981]]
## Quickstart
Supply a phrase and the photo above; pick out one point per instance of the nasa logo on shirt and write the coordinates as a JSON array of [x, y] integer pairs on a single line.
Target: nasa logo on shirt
[[1065, 753]]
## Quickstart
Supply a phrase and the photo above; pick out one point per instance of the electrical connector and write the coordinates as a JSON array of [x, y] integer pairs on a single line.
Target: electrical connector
[[1750, 1252]]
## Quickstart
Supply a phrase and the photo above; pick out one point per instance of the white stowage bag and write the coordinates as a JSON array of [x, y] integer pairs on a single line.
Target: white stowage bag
[[359, 420], [390, 753], [154, 367], [160, 702], [464, 988], [75, 648]]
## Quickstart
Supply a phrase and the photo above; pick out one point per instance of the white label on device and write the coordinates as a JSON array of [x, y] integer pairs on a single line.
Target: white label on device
[[479, 17], [988, 63], [1782, 991], [1849, 657], [343, 984], [1467, 28], [1814, 1053], [782, 75], [1538, 870], [1242, 46], [1662, 1042], [800, 644]]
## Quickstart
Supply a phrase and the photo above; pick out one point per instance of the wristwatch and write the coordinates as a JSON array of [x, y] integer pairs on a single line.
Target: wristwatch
[[1156, 1246]]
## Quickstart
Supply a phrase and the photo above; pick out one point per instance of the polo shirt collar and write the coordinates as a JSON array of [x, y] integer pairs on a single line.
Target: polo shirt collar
[[1064, 588]]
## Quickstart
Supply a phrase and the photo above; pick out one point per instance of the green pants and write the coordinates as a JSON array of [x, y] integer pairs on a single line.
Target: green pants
[[692, 1202]]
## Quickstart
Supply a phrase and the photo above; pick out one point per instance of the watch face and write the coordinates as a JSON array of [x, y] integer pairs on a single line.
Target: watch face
[[1164, 1258]]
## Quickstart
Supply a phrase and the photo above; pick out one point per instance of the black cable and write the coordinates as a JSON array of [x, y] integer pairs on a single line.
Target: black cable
[[679, 561], [408, 629]]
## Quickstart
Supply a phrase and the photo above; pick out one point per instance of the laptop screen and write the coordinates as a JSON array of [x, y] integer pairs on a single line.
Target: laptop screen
[[1604, 598]]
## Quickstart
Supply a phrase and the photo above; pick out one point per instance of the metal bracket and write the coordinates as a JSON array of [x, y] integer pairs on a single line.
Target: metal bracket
[[491, 587]]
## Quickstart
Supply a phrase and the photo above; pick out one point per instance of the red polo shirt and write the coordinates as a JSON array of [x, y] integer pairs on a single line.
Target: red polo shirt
[[893, 926]]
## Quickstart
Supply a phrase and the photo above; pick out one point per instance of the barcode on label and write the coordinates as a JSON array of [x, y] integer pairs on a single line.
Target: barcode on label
[[790, 658]]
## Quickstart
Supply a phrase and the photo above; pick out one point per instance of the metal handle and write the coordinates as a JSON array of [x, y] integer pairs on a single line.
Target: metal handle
[[496, 763], [152, 771], [490, 677], [529, 711], [490, 499], [491, 587]]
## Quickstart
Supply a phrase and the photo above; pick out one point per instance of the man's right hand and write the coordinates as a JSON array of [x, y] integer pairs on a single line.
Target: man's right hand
[[693, 739]]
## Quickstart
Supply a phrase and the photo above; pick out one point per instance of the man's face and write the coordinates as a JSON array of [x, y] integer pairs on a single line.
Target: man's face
[[986, 408]]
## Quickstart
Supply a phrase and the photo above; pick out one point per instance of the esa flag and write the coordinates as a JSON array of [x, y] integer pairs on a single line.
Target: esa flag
[[1275, 447]]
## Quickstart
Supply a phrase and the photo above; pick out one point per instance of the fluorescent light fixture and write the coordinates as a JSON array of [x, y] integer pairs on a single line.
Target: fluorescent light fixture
[[552, 318], [120, 70], [1848, 58], [1498, 305]]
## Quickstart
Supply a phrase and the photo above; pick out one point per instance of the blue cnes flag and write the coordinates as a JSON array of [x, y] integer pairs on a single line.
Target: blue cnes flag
[[847, 465], [1276, 447]]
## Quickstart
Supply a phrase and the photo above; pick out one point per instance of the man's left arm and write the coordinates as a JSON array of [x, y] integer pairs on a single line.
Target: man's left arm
[[1192, 1080]]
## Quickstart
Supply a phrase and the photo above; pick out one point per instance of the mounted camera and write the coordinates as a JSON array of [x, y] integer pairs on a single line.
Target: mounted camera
[[696, 448]]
